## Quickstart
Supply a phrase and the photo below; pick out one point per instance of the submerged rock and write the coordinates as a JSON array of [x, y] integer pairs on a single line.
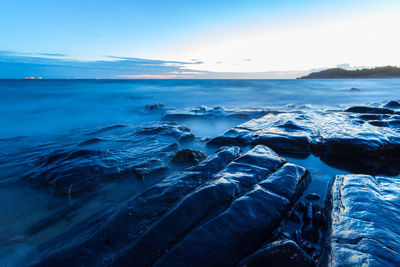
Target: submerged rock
[[140, 152], [188, 157], [158, 106], [204, 112], [364, 216], [217, 212]]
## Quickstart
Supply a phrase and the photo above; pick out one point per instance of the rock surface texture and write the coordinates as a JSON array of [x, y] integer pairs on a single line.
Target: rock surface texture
[[216, 213], [106, 155], [364, 217], [359, 138]]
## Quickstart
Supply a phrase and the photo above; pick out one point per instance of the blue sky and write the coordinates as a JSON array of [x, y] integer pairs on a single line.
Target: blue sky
[[226, 36]]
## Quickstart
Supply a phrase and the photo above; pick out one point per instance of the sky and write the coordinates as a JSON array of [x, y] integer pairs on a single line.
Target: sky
[[194, 39]]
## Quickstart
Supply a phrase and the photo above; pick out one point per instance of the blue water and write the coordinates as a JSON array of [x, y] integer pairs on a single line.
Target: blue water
[[48, 107]]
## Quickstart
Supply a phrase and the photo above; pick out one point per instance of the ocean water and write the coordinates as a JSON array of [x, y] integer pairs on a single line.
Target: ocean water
[[38, 116], [48, 107]]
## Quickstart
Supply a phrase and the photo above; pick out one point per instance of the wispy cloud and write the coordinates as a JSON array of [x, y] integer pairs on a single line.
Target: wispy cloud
[[51, 54], [149, 76], [19, 65], [16, 65]]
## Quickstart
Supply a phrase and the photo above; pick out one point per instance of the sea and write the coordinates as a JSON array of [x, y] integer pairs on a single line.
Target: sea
[[48, 107]]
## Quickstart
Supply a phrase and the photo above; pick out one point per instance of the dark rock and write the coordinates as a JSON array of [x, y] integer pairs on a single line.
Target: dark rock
[[279, 253], [373, 117], [157, 106], [312, 196], [361, 109], [318, 219], [337, 137], [188, 156], [392, 104], [301, 207], [293, 217], [297, 237], [140, 151], [307, 247], [364, 216], [310, 233], [102, 237], [353, 89], [204, 112], [308, 213], [379, 123], [209, 214]]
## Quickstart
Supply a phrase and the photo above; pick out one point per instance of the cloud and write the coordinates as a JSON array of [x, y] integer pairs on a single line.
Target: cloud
[[149, 76], [20, 65], [51, 54]]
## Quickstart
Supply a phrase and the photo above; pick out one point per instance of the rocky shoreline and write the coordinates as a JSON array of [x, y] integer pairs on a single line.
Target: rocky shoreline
[[240, 202]]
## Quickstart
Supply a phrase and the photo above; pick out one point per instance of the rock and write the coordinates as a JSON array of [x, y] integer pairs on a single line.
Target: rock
[[307, 247], [353, 89], [140, 152], [158, 106], [379, 123], [310, 233], [301, 207], [293, 217], [363, 221], [217, 212], [188, 157], [392, 104], [337, 137], [204, 112], [312, 196], [318, 219], [279, 253], [361, 109], [308, 213], [113, 231]]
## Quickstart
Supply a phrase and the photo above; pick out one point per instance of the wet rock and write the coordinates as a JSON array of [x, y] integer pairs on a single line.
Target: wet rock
[[353, 89], [310, 233], [188, 156], [217, 212], [337, 137], [293, 217], [312, 196], [279, 253], [310, 249], [101, 238], [318, 219], [373, 117], [364, 215], [139, 152], [158, 106], [308, 213], [204, 112], [392, 104], [379, 123], [361, 109], [301, 207]]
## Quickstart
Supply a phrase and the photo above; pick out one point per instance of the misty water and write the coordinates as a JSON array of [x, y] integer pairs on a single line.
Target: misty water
[[42, 115]]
